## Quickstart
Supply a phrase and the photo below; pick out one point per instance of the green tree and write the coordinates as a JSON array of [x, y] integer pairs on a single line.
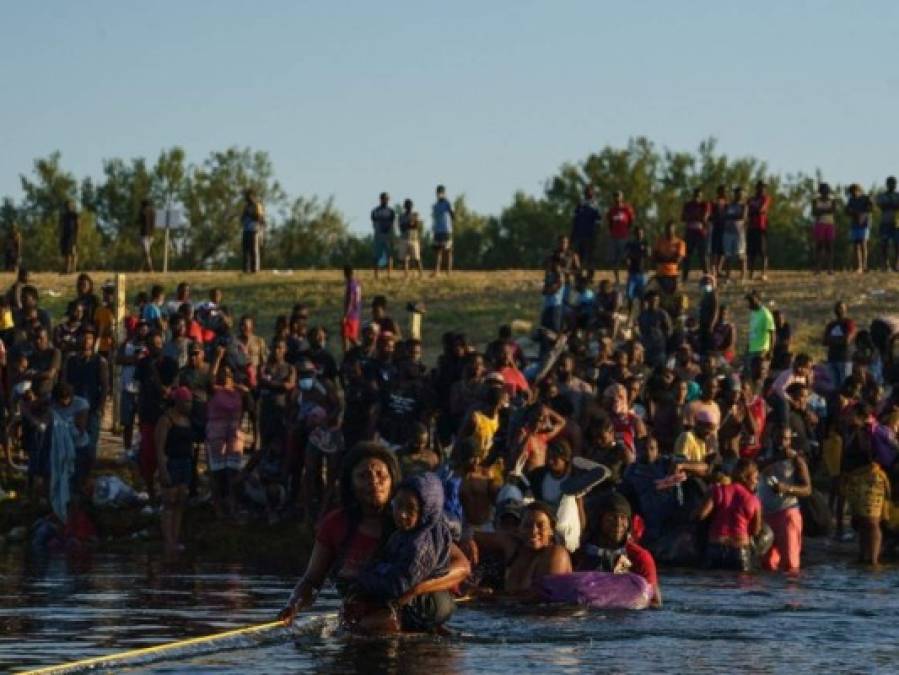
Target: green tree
[[213, 201]]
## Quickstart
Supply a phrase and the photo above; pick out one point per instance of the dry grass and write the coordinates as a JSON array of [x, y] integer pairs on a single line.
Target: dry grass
[[478, 302]]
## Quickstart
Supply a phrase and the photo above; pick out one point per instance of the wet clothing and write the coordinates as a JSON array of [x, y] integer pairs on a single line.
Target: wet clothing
[[412, 556]]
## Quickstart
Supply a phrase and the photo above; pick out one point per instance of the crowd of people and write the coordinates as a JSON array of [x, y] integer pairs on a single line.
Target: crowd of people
[[629, 430]]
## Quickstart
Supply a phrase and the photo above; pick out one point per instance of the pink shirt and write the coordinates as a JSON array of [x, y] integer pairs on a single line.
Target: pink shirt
[[225, 405], [735, 509]]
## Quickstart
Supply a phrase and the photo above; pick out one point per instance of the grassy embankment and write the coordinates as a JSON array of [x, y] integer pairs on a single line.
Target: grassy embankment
[[478, 302]]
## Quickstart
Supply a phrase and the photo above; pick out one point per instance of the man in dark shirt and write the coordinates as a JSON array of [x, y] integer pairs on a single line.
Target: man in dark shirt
[[318, 353], [838, 336], [88, 374], [654, 326], [146, 224], [382, 222], [859, 208], [584, 228], [636, 254], [68, 237], [695, 216]]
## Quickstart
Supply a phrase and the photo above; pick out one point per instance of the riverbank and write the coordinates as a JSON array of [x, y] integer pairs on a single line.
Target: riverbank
[[477, 302]]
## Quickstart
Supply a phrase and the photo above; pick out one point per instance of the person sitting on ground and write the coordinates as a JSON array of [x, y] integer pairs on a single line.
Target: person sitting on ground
[[610, 547], [736, 518]]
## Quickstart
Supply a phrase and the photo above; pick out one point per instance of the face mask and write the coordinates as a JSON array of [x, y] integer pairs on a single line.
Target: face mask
[[306, 383], [707, 288]]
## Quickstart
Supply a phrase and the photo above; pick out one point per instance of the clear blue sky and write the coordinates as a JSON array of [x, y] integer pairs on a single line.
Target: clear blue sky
[[350, 98]]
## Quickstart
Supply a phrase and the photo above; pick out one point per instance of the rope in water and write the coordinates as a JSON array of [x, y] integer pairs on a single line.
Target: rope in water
[[131, 654], [108, 659]]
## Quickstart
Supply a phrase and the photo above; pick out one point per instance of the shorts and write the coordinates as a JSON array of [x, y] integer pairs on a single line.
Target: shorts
[[127, 408], [180, 471], [734, 244], [824, 233], [636, 286], [888, 232], [349, 329], [443, 241], [858, 234], [409, 248], [383, 249], [757, 243], [617, 251]]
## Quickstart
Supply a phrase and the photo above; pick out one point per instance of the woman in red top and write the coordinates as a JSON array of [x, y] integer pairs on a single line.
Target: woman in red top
[[349, 537], [736, 518]]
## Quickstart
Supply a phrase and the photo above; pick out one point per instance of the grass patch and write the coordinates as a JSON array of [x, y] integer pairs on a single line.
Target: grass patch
[[478, 302]]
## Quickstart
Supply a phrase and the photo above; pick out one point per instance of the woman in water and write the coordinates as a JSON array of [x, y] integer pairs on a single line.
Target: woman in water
[[175, 446], [736, 517], [349, 538], [608, 546]]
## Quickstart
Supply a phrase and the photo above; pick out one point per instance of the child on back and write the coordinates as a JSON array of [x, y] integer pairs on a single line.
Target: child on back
[[418, 550]]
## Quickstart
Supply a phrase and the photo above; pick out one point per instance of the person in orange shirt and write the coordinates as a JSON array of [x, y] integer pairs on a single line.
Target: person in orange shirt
[[668, 253]]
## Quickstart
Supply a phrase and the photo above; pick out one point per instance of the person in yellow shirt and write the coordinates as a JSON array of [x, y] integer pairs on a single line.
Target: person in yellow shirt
[[695, 447]]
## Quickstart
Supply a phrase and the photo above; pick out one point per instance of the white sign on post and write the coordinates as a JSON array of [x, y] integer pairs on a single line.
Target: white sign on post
[[166, 219]]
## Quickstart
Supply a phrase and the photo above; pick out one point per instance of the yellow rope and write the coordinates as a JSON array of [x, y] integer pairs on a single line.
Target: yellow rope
[[147, 651]]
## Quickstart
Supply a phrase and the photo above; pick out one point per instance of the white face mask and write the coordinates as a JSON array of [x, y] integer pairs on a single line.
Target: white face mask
[[306, 383], [708, 288]]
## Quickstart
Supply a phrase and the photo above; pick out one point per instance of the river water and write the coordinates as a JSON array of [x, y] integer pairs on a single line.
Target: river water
[[833, 617]]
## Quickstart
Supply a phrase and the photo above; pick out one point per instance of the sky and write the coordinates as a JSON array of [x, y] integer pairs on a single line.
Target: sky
[[352, 98]]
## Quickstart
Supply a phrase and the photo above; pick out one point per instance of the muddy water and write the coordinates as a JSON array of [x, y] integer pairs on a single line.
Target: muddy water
[[834, 617]]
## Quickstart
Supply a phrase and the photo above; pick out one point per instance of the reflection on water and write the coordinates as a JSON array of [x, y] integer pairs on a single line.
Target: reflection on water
[[833, 617]]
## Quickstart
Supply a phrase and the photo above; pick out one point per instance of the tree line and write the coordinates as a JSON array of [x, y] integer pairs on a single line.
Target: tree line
[[307, 232]]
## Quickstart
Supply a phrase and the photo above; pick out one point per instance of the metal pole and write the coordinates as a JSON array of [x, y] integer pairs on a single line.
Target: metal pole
[[165, 251]]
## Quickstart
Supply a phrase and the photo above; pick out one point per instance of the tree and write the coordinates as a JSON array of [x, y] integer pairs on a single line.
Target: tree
[[312, 234], [213, 201]]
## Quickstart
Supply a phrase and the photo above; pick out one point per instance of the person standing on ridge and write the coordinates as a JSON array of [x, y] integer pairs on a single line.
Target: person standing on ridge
[[382, 222], [68, 237], [757, 234], [824, 209], [888, 203], [252, 221], [410, 239], [620, 217], [584, 228], [443, 218], [859, 208], [146, 223], [695, 216]]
